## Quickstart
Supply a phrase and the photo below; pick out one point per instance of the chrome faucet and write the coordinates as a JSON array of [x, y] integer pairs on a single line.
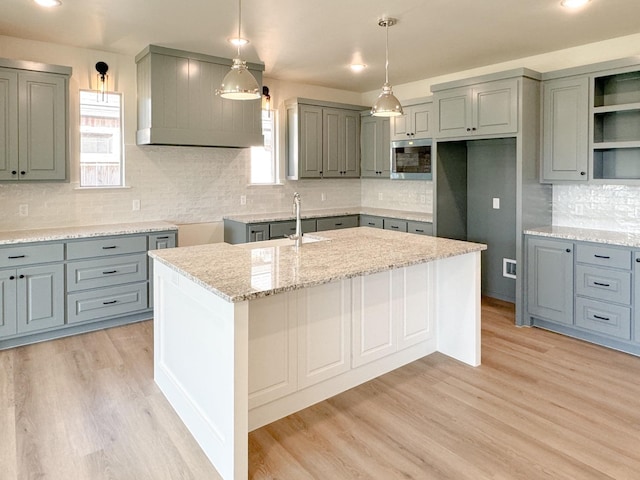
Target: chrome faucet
[[296, 210]]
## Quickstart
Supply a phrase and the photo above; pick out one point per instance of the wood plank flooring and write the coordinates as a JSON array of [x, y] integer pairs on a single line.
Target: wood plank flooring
[[540, 406]]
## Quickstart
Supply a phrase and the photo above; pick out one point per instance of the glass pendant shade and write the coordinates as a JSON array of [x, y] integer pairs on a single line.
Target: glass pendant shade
[[239, 83], [387, 105]]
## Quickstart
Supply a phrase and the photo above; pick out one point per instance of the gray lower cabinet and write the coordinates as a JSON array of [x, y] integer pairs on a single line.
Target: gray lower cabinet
[[336, 223], [410, 226], [565, 129], [33, 121], [420, 228], [395, 224], [585, 290], [284, 229], [371, 221], [103, 280], [550, 279]]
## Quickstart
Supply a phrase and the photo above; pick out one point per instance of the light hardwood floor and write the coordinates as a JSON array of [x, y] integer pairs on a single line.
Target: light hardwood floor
[[540, 406]]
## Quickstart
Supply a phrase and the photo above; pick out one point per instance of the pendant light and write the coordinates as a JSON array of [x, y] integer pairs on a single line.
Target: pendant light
[[387, 105], [239, 83]]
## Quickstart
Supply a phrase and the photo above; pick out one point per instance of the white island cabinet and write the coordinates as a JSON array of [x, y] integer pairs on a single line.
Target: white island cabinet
[[247, 334]]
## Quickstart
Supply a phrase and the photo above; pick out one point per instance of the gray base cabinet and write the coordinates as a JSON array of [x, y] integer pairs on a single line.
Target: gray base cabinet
[[410, 226], [48, 289], [585, 290], [33, 121]]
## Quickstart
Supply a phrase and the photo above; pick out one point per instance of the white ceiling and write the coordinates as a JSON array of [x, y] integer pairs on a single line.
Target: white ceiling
[[314, 41]]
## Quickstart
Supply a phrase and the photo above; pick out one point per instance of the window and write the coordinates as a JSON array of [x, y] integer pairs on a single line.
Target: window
[[101, 153], [263, 158]]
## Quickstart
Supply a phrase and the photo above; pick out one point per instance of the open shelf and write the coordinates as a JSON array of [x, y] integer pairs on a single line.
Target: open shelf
[[617, 89]]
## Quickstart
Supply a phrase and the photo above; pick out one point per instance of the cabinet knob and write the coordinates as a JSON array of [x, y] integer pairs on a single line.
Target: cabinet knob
[[638, 259], [21, 276], [14, 172], [474, 129], [12, 277], [468, 129], [408, 134], [22, 172], [583, 173], [568, 250]]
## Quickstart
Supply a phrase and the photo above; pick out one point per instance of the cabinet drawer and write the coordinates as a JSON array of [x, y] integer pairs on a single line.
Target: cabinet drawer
[[106, 302], [604, 256], [604, 318], [103, 247], [393, 224], [284, 229], [106, 272], [371, 221], [335, 223], [421, 228], [31, 254], [604, 284], [162, 240]]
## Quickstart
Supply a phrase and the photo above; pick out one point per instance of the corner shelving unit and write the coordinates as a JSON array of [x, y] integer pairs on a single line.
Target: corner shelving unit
[[616, 126]]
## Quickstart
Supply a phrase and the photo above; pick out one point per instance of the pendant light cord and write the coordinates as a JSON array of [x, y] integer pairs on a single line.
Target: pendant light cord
[[386, 65], [239, 22]]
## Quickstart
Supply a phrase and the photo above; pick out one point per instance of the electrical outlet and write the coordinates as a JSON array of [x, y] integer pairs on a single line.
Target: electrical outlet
[[496, 203], [323, 196], [24, 210], [380, 196], [243, 199], [135, 205]]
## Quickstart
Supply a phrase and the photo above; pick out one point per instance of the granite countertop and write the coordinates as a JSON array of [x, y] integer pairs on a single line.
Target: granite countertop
[[87, 231], [588, 235], [331, 212], [247, 271]]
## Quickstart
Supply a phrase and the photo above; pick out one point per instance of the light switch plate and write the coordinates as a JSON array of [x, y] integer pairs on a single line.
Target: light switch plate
[[496, 203]]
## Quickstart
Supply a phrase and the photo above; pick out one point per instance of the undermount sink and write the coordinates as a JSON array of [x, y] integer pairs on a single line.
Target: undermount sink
[[281, 242]]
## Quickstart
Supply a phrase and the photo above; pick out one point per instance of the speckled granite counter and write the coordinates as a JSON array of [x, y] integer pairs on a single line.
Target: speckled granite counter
[[67, 233], [333, 212], [588, 235], [244, 272]]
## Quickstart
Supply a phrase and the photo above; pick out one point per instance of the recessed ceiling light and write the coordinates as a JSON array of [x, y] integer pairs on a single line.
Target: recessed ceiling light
[[357, 67], [48, 3], [573, 3], [238, 42]]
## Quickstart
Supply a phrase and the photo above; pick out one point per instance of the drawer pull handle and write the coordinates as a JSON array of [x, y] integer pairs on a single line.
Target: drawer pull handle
[[395, 226], [339, 224], [161, 238], [109, 248], [419, 230], [16, 256], [109, 272], [602, 284], [110, 302], [371, 223], [601, 318], [602, 256]]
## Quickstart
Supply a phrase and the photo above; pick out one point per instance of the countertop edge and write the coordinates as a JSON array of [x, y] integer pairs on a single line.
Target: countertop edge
[[334, 212], [605, 237]]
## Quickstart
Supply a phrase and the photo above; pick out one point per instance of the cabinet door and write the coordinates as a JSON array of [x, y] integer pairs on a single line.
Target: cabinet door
[[8, 124], [375, 147], [350, 147], [374, 332], [565, 129], [401, 126], [454, 112], [421, 120], [333, 140], [8, 325], [550, 279], [636, 295], [495, 107], [42, 126], [323, 332], [40, 297], [310, 142], [157, 242], [258, 233]]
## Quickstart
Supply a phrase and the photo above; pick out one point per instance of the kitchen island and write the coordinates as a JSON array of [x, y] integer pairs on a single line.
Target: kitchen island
[[246, 334]]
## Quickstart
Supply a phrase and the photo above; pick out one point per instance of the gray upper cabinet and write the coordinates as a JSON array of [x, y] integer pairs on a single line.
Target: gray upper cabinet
[[488, 108], [550, 279], [415, 123], [375, 147], [565, 129], [33, 121], [323, 139], [177, 104]]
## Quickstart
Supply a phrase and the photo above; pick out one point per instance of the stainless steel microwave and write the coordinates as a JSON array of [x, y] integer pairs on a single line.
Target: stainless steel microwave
[[411, 160]]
